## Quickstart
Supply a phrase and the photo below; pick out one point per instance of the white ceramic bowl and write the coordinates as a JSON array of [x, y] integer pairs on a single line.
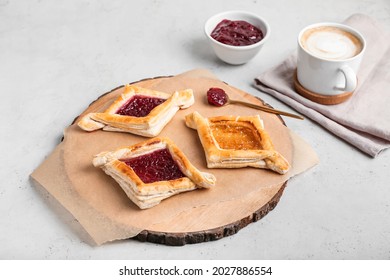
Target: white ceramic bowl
[[236, 54]]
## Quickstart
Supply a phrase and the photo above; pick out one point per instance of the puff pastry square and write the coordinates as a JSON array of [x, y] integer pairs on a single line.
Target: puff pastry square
[[139, 111], [237, 141], [151, 171]]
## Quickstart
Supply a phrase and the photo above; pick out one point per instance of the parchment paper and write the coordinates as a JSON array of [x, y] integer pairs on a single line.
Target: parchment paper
[[104, 210]]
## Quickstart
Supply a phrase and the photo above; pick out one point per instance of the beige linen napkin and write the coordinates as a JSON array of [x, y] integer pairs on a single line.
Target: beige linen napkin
[[364, 119]]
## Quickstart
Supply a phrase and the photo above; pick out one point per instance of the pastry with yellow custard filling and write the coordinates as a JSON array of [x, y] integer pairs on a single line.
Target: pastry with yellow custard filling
[[236, 142]]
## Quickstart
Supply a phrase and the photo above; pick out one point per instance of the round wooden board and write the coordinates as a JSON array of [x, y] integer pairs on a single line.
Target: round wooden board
[[179, 239], [203, 222]]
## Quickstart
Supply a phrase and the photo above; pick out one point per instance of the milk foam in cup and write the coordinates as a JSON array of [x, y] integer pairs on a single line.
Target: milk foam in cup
[[329, 56], [330, 42]]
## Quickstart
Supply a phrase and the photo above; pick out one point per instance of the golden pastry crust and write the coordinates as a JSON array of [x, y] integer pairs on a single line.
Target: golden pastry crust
[[148, 126], [236, 141], [146, 195]]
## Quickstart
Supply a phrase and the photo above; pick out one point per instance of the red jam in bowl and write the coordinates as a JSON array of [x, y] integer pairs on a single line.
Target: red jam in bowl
[[217, 97], [139, 106], [156, 166], [237, 33]]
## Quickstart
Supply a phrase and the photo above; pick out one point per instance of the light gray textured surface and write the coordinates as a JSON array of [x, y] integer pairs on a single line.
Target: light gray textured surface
[[58, 56]]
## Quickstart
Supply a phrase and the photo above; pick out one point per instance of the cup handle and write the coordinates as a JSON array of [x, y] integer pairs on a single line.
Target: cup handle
[[350, 79]]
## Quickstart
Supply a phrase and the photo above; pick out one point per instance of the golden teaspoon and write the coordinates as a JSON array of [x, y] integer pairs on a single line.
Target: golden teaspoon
[[218, 97]]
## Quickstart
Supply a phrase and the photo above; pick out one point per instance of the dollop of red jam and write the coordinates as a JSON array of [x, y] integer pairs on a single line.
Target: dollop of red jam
[[237, 33], [139, 106], [156, 166], [217, 97]]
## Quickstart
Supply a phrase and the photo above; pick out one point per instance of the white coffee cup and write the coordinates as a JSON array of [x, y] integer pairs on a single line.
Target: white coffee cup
[[329, 56]]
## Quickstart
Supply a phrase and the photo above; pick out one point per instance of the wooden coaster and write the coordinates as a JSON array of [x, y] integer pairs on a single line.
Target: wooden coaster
[[319, 98]]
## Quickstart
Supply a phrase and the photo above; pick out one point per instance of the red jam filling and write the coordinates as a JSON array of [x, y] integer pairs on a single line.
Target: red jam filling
[[139, 106], [156, 166], [217, 97], [236, 33]]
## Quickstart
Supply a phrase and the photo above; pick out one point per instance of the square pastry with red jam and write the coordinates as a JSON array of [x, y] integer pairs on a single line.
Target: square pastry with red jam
[[152, 170], [236, 141], [140, 111]]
